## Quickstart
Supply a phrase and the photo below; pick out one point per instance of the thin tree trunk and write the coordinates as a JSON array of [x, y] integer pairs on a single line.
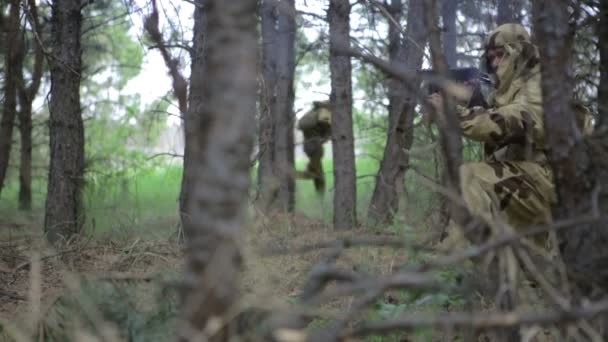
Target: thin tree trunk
[[602, 92], [276, 163], [25, 160], [180, 91], [221, 149], [267, 184], [64, 216], [579, 166], [26, 97], [345, 194], [195, 103], [389, 181], [12, 62], [448, 14], [284, 115], [450, 39], [449, 126]]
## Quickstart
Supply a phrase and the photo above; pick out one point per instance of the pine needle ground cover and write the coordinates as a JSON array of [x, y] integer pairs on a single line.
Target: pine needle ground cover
[[118, 281]]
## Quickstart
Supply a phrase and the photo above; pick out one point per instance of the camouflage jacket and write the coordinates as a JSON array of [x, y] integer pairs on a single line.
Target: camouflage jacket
[[512, 129]]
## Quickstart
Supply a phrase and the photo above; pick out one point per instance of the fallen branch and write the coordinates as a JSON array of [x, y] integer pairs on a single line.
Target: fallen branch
[[490, 320]]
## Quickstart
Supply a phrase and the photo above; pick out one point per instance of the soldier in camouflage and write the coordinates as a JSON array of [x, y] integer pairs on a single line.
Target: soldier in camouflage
[[316, 128], [514, 181]]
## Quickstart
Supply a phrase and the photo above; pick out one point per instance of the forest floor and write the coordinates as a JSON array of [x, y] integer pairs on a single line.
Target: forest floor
[[42, 288]]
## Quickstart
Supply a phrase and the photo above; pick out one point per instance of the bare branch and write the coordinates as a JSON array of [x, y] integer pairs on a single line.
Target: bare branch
[[493, 320]]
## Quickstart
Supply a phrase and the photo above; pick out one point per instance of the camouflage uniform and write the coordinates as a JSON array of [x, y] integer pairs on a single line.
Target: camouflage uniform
[[513, 182], [316, 128]]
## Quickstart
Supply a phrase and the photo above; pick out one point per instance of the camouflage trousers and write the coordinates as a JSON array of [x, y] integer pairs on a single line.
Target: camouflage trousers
[[518, 194], [313, 147]]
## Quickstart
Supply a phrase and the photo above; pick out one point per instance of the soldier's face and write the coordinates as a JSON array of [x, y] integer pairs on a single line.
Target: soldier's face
[[495, 57]]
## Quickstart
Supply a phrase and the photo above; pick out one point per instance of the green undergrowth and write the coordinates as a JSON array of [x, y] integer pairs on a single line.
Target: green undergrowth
[[120, 310], [145, 197]]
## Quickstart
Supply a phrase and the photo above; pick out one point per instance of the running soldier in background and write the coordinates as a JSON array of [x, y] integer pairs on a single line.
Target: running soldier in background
[[316, 128]]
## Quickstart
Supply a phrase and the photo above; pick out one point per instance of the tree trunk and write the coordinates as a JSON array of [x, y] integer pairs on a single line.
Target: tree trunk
[[602, 92], [284, 115], [450, 39], [449, 126], [448, 14], [276, 163], [267, 185], [345, 194], [195, 103], [12, 63], [64, 216], [506, 12], [25, 160], [26, 98], [400, 135], [580, 167], [221, 149]]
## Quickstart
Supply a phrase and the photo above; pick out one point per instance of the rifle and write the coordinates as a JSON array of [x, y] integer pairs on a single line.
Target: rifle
[[480, 82]]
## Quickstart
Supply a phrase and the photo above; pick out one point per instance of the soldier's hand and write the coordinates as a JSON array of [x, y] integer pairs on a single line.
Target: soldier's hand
[[434, 107]]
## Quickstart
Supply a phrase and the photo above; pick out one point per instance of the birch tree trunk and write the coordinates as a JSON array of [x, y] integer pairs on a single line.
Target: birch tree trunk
[[342, 138], [221, 149]]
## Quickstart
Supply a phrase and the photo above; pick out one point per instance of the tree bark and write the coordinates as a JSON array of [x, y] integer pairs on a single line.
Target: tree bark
[[449, 126], [448, 14], [579, 165], [602, 92], [506, 12], [64, 216], [284, 115], [26, 98], [345, 194], [276, 163], [12, 66], [180, 88], [267, 185], [221, 149], [194, 106], [400, 135]]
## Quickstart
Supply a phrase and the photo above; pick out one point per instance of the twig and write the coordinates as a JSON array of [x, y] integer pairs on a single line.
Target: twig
[[388, 16], [349, 243], [176, 155], [11, 295], [506, 240], [490, 320]]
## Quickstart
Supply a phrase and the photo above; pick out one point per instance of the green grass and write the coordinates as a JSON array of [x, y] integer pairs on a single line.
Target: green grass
[[146, 197], [310, 204]]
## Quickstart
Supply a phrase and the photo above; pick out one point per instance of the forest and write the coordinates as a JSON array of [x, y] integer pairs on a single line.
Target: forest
[[303, 170]]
